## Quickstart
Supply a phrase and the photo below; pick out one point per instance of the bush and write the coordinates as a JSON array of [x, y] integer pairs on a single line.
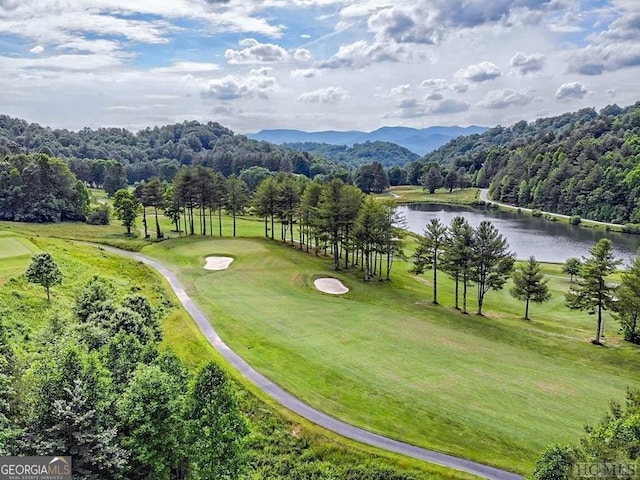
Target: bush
[[536, 213], [576, 220], [631, 228], [99, 216]]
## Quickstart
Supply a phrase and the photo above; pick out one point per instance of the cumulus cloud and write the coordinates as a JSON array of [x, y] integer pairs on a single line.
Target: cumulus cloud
[[527, 63], [256, 52], [508, 97], [259, 83], [302, 55], [480, 72], [400, 90], [324, 95], [360, 54], [404, 25], [305, 73], [38, 49], [595, 60], [571, 91], [434, 96], [460, 87], [434, 83], [411, 108]]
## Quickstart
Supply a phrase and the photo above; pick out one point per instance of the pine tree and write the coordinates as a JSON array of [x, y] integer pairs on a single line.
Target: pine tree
[[427, 254], [529, 284], [592, 293]]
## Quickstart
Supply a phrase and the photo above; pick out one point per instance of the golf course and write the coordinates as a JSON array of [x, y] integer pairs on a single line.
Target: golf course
[[494, 389]]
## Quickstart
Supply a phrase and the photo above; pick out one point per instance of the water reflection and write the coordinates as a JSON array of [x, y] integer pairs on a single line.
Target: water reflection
[[527, 235]]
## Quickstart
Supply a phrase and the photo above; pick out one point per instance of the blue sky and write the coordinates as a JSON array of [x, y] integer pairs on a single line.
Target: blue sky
[[314, 64]]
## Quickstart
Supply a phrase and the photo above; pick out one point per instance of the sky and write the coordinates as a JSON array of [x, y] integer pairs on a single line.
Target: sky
[[314, 64]]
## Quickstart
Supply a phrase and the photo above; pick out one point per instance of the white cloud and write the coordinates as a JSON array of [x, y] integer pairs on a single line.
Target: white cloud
[[324, 95], [259, 83], [305, 73], [507, 98], [256, 52], [434, 83], [360, 54], [527, 63], [480, 72], [38, 49], [571, 91], [400, 90], [302, 55], [188, 67], [434, 96]]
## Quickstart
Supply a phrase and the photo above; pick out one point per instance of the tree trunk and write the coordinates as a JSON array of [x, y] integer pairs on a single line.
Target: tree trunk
[[158, 232], [457, 279], [233, 212], [526, 309], [464, 293], [599, 329], [435, 280], [220, 221], [144, 221], [48, 296], [266, 227]]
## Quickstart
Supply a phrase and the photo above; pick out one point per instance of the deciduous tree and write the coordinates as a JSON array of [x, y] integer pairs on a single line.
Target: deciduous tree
[[44, 271], [572, 267], [126, 208]]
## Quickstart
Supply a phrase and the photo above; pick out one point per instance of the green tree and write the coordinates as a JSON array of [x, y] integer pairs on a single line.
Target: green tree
[[592, 293], [115, 178], [429, 250], [451, 180], [432, 180], [530, 285], [368, 232], [265, 202], [555, 463], [216, 430], [152, 428], [44, 271], [628, 305], [492, 261], [126, 208], [457, 257], [154, 197], [237, 197], [572, 267]]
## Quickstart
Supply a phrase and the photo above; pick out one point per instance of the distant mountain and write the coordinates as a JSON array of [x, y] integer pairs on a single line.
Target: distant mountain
[[387, 153], [419, 141]]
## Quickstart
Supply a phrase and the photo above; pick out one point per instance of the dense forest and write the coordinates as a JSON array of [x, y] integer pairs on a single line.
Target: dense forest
[[585, 163], [387, 153], [157, 151]]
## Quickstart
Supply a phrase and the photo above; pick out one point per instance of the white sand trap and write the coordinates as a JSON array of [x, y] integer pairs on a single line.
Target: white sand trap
[[330, 285], [218, 263]]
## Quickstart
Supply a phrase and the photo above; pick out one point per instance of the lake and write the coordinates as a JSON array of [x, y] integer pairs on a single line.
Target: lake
[[546, 241]]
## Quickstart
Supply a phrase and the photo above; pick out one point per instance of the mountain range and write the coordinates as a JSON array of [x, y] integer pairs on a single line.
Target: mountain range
[[419, 141]]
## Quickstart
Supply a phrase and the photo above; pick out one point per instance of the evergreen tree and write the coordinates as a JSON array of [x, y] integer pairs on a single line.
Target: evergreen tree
[[592, 293], [451, 180], [237, 197], [529, 284], [492, 261], [430, 248], [432, 180], [44, 271], [457, 257]]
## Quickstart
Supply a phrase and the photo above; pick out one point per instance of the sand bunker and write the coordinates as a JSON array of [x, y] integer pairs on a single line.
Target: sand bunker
[[218, 263], [330, 285]]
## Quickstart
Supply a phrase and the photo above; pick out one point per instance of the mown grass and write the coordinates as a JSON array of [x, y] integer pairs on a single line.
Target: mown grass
[[280, 442], [495, 389], [417, 194]]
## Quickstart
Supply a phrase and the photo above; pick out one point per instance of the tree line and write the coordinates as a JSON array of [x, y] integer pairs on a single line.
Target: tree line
[[102, 392]]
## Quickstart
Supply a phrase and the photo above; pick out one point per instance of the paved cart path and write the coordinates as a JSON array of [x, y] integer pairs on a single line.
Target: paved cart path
[[292, 403]]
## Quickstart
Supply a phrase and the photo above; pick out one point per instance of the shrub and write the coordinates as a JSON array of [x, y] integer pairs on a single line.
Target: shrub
[[576, 220], [536, 213], [631, 228], [99, 216]]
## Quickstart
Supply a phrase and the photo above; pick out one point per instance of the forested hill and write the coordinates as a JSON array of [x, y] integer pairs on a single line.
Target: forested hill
[[153, 151], [585, 163], [387, 153]]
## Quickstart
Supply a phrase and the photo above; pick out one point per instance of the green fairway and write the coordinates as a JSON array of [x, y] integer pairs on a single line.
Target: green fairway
[[280, 439], [495, 389], [417, 194], [15, 247]]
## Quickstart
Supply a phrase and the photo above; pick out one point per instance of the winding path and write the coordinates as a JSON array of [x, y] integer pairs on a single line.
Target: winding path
[[301, 408]]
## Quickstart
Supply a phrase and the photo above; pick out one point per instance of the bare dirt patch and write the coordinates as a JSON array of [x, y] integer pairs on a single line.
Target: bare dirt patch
[[218, 263], [330, 285]]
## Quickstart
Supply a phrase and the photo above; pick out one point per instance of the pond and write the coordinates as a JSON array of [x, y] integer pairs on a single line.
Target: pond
[[527, 236]]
